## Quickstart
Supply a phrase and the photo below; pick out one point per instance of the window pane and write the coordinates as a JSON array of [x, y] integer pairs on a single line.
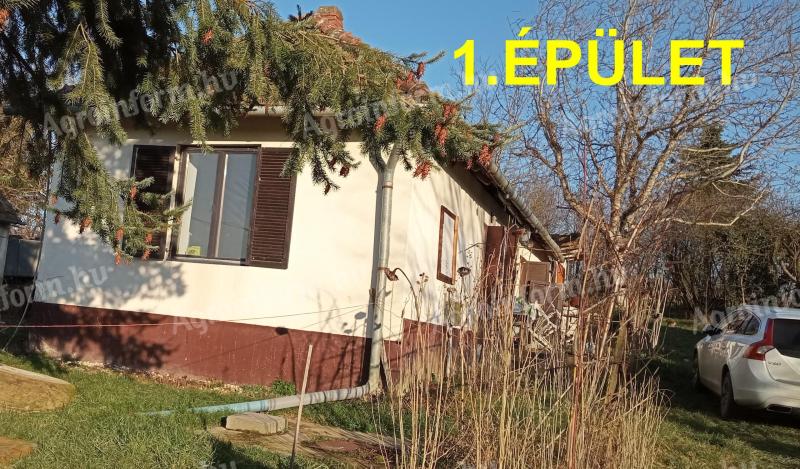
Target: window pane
[[751, 327], [198, 188], [447, 246], [786, 337], [237, 203], [734, 322]]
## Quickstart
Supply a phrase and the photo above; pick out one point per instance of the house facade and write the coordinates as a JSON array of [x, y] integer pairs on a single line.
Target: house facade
[[261, 265]]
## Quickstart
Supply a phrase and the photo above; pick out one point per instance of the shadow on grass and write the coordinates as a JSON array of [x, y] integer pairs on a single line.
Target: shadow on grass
[[698, 411], [228, 456], [34, 361]]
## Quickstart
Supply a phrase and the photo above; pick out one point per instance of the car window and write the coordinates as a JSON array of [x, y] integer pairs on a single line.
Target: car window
[[786, 337], [750, 326], [736, 322]]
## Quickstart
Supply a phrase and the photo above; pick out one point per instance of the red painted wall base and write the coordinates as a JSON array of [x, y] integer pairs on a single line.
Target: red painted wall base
[[230, 352]]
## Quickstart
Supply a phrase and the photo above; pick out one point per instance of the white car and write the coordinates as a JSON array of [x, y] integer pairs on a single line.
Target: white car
[[752, 359]]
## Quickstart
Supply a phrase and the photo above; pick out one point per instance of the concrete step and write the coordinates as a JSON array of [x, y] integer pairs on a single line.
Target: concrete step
[[264, 424]]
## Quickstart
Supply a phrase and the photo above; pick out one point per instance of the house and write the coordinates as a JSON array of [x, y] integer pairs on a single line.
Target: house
[[261, 265], [549, 283], [8, 217]]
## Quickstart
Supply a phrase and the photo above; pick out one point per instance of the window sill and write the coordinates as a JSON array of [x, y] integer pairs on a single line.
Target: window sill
[[200, 260]]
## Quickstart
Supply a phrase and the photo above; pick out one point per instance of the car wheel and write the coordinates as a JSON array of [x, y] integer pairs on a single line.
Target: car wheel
[[727, 404], [696, 384]]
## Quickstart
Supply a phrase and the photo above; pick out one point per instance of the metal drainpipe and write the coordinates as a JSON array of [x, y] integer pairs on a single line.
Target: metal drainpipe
[[384, 244], [373, 383]]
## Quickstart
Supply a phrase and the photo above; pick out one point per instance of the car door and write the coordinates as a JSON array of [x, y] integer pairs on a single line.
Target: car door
[[719, 348], [741, 336], [705, 350]]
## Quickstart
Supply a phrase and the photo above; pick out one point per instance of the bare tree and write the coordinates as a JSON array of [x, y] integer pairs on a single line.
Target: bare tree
[[537, 185], [786, 252], [622, 143], [619, 152]]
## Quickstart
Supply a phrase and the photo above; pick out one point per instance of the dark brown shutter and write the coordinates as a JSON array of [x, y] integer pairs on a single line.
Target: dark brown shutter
[[273, 207], [500, 255], [158, 163]]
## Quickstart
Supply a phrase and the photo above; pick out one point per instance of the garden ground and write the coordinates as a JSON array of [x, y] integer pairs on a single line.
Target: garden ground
[[693, 435], [102, 427]]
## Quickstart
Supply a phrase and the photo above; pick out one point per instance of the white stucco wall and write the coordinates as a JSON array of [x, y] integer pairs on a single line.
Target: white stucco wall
[[326, 286]]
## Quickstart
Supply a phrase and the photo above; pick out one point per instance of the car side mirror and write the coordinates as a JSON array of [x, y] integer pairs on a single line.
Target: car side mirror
[[710, 330]]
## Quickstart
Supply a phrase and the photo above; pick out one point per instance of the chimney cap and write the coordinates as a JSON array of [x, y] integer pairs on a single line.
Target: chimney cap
[[329, 10]]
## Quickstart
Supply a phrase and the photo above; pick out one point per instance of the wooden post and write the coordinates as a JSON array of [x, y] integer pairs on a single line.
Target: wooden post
[[300, 407]]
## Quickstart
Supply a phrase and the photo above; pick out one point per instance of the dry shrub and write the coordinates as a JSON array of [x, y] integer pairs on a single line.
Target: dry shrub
[[512, 392]]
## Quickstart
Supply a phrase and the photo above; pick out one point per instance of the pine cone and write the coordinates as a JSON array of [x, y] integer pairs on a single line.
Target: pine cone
[[440, 132], [85, 223], [117, 258], [57, 217], [449, 110], [4, 14], [380, 122], [208, 36], [133, 192], [327, 188], [148, 238], [420, 69], [422, 170], [118, 235], [344, 171], [485, 157], [146, 254]]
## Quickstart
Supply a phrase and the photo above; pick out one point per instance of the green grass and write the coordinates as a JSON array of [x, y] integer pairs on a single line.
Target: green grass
[[102, 427], [694, 436]]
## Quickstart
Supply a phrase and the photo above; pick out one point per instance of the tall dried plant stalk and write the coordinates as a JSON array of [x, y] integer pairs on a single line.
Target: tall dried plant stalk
[[509, 391]]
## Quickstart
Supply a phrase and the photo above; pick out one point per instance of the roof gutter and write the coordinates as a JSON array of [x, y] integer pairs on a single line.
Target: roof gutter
[[507, 189]]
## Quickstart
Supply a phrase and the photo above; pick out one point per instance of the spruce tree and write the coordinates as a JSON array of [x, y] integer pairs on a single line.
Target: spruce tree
[[99, 59]]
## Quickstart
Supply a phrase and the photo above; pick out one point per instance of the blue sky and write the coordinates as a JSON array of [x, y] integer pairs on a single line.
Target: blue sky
[[404, 27]]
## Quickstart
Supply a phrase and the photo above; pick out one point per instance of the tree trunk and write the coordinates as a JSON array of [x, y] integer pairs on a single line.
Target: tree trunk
[[621, 340]]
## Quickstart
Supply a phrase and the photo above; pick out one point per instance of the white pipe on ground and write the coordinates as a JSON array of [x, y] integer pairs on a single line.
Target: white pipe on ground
[[278, 403]]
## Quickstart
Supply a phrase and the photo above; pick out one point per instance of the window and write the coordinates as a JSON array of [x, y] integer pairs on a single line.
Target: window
[[786, 337], [736, 323], [154, 161], [220, 186], [448, 243], [751, 326]]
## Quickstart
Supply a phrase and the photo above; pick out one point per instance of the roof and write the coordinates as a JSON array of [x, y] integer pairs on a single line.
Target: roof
[[772, 311], [329, 20], [492, 175], [7, 212], [570, 244]]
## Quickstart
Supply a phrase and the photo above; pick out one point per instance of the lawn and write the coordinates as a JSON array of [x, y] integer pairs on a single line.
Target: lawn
[[102, 427], [694, 436]]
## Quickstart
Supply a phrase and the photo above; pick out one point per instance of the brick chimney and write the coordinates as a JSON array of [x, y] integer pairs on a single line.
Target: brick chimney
[[329, 19]]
